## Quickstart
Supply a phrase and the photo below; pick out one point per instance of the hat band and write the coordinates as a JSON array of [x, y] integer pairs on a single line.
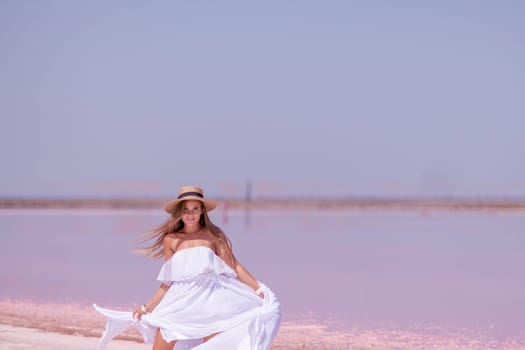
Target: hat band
[[187, 194]]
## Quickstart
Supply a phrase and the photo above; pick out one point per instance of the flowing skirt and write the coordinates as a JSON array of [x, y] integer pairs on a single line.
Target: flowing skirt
[[201, 306]]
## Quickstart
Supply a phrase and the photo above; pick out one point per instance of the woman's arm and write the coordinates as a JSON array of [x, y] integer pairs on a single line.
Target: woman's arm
[[159, 294], [154, 301], [245, 277]]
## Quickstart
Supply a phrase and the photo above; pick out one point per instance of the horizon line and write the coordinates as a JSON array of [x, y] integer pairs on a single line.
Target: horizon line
[[299, 202]]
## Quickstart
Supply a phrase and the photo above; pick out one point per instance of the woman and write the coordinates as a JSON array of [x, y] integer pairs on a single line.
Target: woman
[[206, 299]]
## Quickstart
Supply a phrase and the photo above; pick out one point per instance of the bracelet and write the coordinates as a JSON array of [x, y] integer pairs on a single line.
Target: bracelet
[[143, 308], [259, 291]]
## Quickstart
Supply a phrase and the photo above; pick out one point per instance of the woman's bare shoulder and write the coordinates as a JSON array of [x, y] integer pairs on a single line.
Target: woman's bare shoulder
[[219, 245], [171, 241], [210, 237], [170, 237]]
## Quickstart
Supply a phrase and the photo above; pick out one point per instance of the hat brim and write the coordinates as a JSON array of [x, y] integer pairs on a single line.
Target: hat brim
[[170, 206]]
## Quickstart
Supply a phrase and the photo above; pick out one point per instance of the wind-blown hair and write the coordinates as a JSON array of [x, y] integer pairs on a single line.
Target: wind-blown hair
[[174, 224]]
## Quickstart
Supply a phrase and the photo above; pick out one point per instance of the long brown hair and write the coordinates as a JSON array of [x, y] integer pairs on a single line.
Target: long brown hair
[[175, 224]]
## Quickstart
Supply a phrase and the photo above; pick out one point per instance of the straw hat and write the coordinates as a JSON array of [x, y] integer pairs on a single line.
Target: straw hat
[[187, 193]]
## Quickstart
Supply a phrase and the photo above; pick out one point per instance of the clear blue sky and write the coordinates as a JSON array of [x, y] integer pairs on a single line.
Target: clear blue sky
[[125, 98]]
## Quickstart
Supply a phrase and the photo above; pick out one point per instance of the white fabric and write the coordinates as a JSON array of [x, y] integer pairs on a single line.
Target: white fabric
[[205, 297]]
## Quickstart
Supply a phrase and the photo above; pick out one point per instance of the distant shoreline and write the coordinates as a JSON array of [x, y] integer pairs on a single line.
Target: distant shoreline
[[445, 203]]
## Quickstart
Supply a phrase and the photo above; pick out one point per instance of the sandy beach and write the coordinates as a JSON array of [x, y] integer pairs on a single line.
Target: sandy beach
[[21, 338], [28, 325]]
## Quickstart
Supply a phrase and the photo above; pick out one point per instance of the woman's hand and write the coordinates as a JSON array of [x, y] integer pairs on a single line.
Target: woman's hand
[[259, 292], [139, 311], [152, 304]]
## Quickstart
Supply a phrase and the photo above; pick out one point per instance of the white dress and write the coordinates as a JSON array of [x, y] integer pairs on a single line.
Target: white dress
[[205, 297]]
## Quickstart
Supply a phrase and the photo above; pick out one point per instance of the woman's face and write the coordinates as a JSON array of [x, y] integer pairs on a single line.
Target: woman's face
[[191, 212]]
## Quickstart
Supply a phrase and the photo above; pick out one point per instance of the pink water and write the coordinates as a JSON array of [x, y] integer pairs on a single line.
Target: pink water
[[380, 268]]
